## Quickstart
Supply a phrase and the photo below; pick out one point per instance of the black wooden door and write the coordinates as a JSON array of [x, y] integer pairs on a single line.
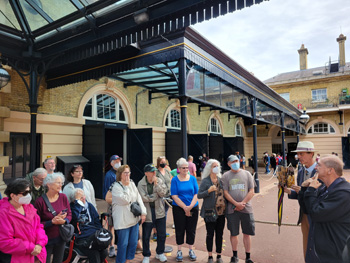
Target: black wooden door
[[216, 148], [94, 151], [197, 145], [139, 151], [231, 146], [173, 148], [346, 151]]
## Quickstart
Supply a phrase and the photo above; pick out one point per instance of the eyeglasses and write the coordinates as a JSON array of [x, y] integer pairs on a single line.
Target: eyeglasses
[[60, 183], [78, 172], [184, 168], [126, 173], [25, 192]]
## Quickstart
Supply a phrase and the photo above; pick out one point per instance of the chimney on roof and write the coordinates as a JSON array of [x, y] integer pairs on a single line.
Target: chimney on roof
[[341, 40], [303, 52]]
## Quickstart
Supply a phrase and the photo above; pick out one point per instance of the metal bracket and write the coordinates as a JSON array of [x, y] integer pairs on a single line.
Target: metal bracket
[[203, 106]]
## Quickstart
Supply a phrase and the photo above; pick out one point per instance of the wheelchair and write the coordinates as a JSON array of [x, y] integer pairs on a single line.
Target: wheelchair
[[73, 255]]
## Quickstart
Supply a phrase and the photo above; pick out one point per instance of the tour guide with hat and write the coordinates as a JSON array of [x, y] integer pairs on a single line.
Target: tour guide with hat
[[152, 189], [306, 169]]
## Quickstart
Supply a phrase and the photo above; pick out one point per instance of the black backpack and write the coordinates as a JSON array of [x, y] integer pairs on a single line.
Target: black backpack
[[101, 239]]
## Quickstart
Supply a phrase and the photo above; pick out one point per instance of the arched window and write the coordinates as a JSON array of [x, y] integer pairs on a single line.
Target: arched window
[[214, 126], [239, 130], [321, 128], [173, 120], [104, 107]]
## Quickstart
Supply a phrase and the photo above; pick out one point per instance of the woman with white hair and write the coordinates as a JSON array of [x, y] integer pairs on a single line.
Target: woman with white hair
[[213, 207], [184, 189], [60, 204]]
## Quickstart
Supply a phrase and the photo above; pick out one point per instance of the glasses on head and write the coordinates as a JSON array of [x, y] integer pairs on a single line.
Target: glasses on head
[[184, 168], [25, 192]]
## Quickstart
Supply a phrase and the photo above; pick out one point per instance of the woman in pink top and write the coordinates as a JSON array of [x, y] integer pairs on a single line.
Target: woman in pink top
[[22, 236], [191, 166]]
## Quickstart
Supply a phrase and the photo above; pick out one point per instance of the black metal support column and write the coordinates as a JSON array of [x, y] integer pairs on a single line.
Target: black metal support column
[[298, 131], [255, 145], [183, 105], [283, 140], [33, 105]]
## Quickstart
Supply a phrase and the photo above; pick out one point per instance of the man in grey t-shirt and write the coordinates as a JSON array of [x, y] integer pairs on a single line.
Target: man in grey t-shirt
[[239, 190]]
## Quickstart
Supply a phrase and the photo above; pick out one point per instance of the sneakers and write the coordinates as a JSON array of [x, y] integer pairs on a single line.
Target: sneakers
[[179, 257], [173, 226], [111, 253], [192, 255], [161, 257], [248, 260], [139, 250], [210, 260], [154, 237], [219, 260], [234, 260], [145, 260], [167, 235]]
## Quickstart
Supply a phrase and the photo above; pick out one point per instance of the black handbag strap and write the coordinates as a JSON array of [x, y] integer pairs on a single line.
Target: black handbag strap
[[48, 204]]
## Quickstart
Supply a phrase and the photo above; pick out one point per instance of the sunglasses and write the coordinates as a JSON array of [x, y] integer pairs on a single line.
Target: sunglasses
[[25, 192]]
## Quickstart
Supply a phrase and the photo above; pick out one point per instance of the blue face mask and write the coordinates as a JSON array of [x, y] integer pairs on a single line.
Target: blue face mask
[[235, 166]]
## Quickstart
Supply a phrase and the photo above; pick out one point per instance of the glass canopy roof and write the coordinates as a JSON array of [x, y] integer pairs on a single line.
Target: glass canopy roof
[[40, 13]]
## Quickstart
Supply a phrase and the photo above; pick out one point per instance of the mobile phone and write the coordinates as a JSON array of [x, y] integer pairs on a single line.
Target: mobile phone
[[64, 210]]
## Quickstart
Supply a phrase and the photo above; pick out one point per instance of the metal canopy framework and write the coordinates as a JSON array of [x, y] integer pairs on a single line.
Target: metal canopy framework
[[212, 78], [44, 28]]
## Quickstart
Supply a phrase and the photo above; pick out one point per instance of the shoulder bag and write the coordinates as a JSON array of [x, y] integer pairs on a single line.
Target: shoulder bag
[[66, 230], [134, 206]]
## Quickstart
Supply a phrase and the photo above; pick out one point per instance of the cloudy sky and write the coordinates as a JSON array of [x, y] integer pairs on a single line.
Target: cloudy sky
[[264, 38]]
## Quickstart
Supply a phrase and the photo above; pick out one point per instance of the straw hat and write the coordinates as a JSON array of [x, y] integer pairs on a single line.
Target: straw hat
[[305, 146]]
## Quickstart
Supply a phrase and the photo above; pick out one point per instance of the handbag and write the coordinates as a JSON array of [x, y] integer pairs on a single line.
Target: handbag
[[135, 209], [210, 215], [134, 206], [66, 230]]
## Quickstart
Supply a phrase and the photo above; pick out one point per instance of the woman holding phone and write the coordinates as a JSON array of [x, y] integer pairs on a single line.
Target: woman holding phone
[[59, 202]]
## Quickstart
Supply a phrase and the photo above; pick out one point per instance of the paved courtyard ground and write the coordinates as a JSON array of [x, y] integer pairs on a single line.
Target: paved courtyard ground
[[268, 246]]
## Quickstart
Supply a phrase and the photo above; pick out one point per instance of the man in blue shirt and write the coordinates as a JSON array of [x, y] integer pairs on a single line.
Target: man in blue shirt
[[110, 178]]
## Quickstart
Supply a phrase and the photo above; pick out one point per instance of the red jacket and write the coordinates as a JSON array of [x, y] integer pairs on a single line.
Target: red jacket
[[20, 233]]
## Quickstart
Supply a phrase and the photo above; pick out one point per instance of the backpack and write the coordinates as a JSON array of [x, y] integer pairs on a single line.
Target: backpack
[[100, 240]]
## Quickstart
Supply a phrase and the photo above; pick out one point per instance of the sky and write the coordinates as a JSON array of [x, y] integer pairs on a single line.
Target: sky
[[264, 38]]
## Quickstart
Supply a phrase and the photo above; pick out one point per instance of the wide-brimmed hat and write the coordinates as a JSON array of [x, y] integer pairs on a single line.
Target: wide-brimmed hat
[[305, 146]]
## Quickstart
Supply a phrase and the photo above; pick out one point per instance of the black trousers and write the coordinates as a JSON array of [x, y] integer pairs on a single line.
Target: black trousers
[[216, 227], [185, 224]]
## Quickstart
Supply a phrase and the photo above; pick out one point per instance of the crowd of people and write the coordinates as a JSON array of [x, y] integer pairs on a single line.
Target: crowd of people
[[36, 208]]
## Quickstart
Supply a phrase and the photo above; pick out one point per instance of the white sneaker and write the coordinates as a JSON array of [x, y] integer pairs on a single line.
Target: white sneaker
[[161, 257], [145, 260]]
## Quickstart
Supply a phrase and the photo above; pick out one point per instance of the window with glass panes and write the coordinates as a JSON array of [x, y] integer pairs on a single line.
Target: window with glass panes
[[173, 120], [104, 107], [319, 95]]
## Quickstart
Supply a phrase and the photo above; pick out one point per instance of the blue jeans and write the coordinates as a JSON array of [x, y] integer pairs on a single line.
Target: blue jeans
[[267, 168], [127, 243], [160, 225]]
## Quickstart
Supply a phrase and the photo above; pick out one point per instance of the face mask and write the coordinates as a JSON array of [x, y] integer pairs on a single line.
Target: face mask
[[216, 170], [235, 166], [25, 200], [117, 165], [162, 165]]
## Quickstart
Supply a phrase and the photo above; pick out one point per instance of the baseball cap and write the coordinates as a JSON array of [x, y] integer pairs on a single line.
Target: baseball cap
[[115, 157], [232, 158], [149, 168]]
